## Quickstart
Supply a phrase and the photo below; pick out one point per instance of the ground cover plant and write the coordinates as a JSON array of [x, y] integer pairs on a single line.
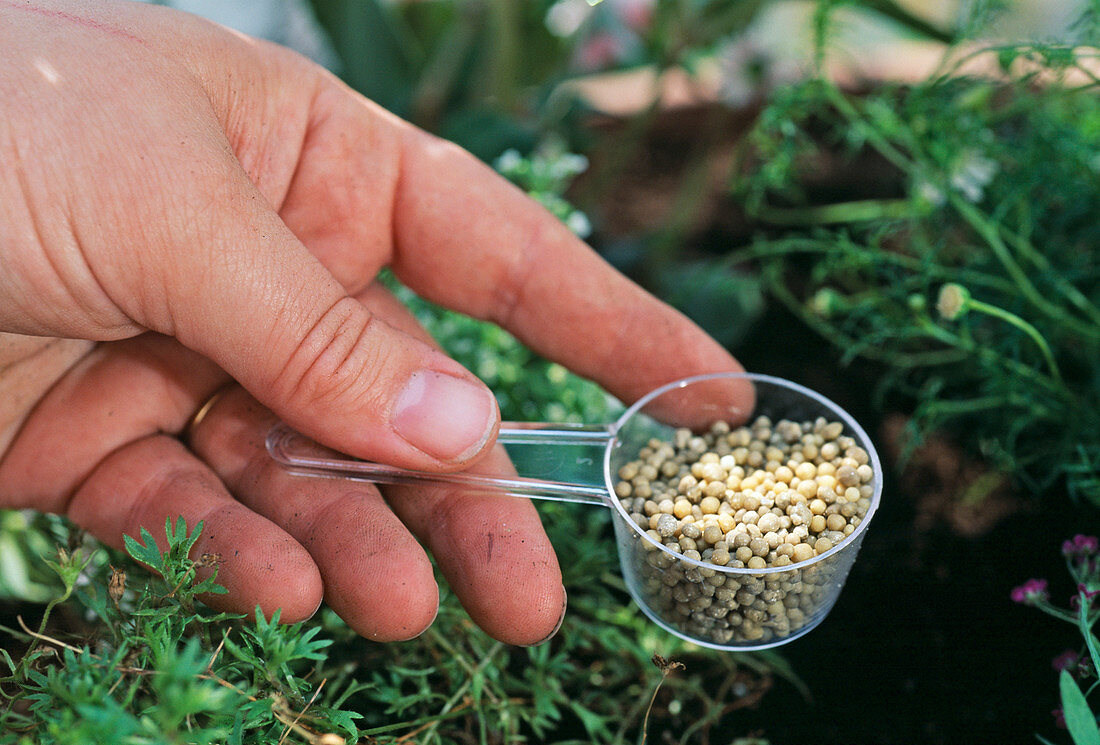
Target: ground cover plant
[[954, 270], [153, 666]]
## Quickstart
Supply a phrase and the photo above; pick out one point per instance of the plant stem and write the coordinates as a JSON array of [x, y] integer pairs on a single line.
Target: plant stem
[[881, 143], [989, 357], [1085, 624], [787, 246], [648, 709], [1071, 293], [914, 23], [841, 212], [992, 236], [1055, 612], [987, 229], [430, 723], [1027, 328], [858, 347]]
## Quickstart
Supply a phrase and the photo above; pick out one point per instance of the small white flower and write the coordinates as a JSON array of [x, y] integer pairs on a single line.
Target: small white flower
[[572, 164], [972, 173], [930, 193], [508, 161], [578, 222], [952, 301], [565, 17]]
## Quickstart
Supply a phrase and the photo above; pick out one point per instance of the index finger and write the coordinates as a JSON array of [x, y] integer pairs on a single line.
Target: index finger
[[469, 240], [370, 189]]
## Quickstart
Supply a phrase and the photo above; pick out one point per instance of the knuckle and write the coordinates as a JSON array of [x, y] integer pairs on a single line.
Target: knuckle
[[337, 363]]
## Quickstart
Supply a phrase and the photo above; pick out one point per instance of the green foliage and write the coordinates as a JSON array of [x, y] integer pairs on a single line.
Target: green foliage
[[173, 565], [545, 175], [987, 184], [681, 33], [161, 677], [162, 668], [22, 535], [467, 70], [1079, 719], [487, 74]]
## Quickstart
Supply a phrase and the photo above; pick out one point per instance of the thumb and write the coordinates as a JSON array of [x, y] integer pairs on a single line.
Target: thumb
[[258, 303]]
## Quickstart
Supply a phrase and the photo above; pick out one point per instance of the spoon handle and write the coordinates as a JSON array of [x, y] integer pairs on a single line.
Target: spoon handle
[[559, 462]]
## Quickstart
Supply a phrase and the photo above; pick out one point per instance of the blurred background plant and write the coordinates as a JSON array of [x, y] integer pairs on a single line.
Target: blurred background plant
[[966, 266], [915, 190]]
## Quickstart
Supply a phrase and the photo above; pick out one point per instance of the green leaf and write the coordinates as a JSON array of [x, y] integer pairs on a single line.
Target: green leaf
[[186, 542], [309, 648], [1094, 648], [1079, 718], [341, 720], [594, 724], [236, 735], [243, 653], [145, 552], [374, 49], [210, 585], [68, 566]]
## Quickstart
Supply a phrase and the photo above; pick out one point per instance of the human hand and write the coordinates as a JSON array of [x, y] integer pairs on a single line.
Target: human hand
[[168, 178]]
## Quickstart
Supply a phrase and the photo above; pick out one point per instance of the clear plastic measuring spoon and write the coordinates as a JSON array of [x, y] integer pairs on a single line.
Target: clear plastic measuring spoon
[[717, 606]]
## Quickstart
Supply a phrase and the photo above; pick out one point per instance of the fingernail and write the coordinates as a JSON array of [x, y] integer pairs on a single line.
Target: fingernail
[[557, 626], [448, 418]]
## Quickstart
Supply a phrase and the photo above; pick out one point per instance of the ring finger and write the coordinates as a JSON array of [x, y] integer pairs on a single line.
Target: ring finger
[[99, 447]]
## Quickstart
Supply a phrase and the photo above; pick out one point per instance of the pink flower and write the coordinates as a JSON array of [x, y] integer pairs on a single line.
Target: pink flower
[[1066, 661], [1082, 592], [1081, 545], [636, 14], [1031, 592], [1073, 663], [600, 50], [1059, 718]]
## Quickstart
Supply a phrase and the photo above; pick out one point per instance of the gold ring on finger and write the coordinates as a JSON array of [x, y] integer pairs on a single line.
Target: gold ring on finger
[[201, 412]]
